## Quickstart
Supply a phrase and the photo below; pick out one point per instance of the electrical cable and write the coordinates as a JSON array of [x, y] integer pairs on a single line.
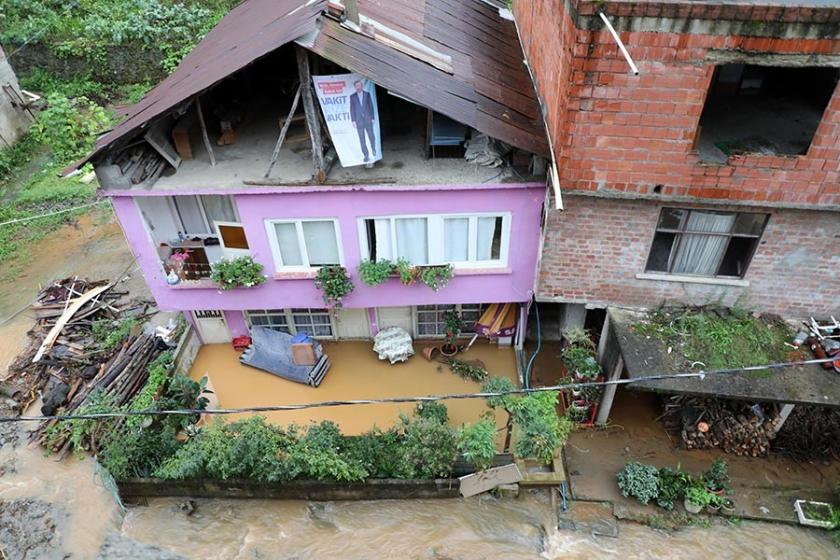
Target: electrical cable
[[48, 214], [457, 396]]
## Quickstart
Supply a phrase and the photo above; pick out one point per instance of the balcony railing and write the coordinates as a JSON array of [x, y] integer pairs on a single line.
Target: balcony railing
[[187, 270]]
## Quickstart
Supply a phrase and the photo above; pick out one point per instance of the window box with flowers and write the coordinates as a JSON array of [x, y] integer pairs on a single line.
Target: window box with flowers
[[241, 272]]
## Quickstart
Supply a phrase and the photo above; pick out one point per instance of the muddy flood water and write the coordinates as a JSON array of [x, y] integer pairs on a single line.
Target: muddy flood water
[[69, 513]]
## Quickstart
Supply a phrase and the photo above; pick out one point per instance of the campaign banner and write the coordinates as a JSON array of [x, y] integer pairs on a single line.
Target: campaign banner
[[348, 102]]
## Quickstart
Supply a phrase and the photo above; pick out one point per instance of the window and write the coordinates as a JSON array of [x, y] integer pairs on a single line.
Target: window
[[303, 244], [314, 322], [429, 319], [704, 243], [197, 214], [463, 240], [766, 110]]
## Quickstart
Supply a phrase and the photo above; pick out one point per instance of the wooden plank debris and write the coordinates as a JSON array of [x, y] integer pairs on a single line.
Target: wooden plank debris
[[482, 481], [65, 317], [311, 113]]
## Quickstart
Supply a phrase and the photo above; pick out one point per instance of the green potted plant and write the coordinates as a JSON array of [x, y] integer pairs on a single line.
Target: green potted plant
[[335, 283], [436, 277], [454, 326], [241, 272], [717, 478], [639, 481], [580, 362], [696, 498], [373, 273], [406, 272]]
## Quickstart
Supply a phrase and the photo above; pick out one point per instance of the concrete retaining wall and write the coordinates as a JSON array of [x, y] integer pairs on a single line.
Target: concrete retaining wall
[[315, 490]]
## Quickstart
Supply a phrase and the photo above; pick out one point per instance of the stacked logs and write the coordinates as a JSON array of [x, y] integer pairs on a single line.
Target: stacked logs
[[732, 426], [66, 361], [810, 433]]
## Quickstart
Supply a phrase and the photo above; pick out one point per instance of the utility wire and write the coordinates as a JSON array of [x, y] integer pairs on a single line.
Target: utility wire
[[55, 213], [327, 404]]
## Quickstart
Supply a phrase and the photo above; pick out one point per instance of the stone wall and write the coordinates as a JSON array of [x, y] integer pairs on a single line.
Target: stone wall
[[595, 249], [120, 64]]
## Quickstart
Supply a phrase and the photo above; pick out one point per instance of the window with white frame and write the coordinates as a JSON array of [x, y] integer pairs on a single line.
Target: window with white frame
[[466, 240], [303, 244], [314, 322], [197, 214], [429, 320]]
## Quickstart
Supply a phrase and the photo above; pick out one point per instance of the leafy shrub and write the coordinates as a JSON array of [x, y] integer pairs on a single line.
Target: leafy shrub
[[436, 277], [318, 455], [69, 127], [374, 273], [717, 477], [578, 337], [432, 410], [335, 283], [580, 360], [407, 273], [241, 272], [477, 442], [639, 481], [429, 448], [699, 496], [109, 334], [378, 452], [672, 486], [467, 370], [499, 385]]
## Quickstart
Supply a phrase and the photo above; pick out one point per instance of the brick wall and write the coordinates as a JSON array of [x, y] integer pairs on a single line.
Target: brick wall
[[633, 134], [595, 248]]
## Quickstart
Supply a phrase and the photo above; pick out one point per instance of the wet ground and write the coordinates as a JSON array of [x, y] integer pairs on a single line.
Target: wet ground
[[766, 487], [63, 510]]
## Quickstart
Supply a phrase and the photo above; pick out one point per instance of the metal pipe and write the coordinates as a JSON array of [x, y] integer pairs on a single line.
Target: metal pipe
[[620, 44]]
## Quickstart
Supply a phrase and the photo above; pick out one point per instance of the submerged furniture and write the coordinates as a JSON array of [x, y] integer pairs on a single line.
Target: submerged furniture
[[271, 351], [393, 344]]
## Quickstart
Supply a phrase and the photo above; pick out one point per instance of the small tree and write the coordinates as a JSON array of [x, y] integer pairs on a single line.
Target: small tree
[[454, 326]]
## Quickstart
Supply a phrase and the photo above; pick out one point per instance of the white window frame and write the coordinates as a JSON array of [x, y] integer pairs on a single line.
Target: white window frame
[[415, 310], [435, 238], [179, 224], [298, 223], [227, 251], [290, 322]]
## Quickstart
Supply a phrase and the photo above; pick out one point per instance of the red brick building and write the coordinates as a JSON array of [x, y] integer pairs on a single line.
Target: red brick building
[[712, 176]]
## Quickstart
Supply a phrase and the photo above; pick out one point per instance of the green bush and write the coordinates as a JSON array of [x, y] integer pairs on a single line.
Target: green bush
[[429, 448], [241, 272], [477, 442], [467, 370], [639, 481], [335, 283], [69, 127], [378, 452], [717, 477], [432, 410], [672, 486], [109, 334], [374, 273], [580, 360]]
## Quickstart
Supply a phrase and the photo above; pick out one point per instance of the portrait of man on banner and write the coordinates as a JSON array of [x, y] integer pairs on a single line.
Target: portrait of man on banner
[[348, 102]]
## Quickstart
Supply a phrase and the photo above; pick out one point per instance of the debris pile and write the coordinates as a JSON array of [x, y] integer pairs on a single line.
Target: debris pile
[[823, 338], [86, 338], [732, 426], [810, 433]]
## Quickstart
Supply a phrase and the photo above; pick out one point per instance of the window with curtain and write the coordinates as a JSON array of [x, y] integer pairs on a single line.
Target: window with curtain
[[430, 318], [467, 240], [304, 243], [314, 322], [197, 215], [705, 243]]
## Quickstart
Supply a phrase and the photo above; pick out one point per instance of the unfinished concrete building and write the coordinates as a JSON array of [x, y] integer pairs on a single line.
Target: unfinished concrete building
[[712, 175]]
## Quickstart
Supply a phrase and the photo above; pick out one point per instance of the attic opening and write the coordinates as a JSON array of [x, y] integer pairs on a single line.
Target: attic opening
[[765, 110], [245, 114]]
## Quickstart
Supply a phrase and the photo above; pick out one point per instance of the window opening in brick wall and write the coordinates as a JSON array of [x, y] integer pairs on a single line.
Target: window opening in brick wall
[[764, 110], [704, 242]]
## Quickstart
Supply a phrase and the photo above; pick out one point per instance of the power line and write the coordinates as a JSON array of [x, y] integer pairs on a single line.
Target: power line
[[414, 399], [48, 214]]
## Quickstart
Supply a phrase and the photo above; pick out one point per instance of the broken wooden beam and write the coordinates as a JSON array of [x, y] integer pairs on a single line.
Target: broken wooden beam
[[311, 113]]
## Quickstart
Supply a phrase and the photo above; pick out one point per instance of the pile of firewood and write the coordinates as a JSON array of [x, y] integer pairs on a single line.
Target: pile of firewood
[[732, 426], [810, 432], [66, 360]]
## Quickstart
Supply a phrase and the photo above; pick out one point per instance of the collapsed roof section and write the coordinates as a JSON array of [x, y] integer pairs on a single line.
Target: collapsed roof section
[[458, 58]]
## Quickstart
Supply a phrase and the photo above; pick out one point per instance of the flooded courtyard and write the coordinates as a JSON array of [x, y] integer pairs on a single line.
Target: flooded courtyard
[[64, 510]]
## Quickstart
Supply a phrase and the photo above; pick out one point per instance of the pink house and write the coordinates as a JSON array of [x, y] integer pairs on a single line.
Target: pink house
[[196, 168]]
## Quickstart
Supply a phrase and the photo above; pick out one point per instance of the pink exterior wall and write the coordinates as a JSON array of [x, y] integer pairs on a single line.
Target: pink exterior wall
[[346, 204]]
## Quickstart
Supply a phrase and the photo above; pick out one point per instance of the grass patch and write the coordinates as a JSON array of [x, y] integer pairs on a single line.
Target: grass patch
[[720, 338]]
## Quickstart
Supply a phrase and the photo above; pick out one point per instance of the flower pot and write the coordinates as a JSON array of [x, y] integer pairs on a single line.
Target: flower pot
[[691, 507], [712, 508], [448, 350], [728, 507]]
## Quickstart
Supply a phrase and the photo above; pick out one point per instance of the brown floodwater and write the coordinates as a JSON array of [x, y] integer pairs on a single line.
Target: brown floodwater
[[476, 528], [463, 529]]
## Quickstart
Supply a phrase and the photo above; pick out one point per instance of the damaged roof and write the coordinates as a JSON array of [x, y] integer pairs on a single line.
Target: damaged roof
[[457, 57]]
